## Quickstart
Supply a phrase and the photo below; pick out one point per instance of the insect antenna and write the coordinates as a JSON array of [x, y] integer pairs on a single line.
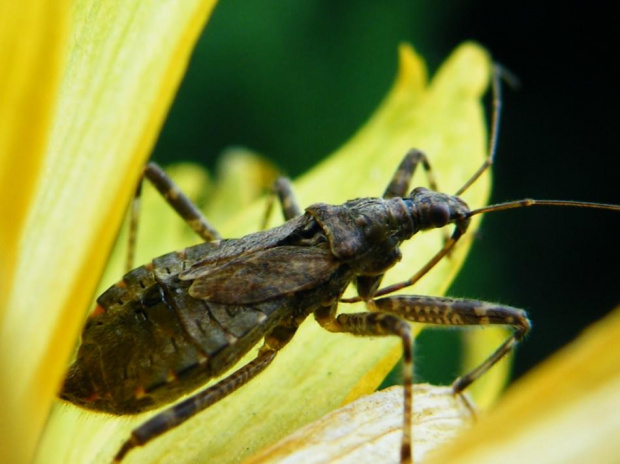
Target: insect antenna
[[452, 240], [499, 73], [531, 202]]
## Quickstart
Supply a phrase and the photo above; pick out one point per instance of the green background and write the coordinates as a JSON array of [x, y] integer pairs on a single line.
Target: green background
[[294, 79]]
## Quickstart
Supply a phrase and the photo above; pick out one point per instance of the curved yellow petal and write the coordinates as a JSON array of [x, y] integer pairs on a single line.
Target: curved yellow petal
[[32, 35], [124, 60], [564, 411], [369, 430], [32, 54], [319, 371]]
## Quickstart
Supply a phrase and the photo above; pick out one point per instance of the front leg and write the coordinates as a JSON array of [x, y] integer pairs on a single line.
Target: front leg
[[378, 324], [399, 184], [453, 312]]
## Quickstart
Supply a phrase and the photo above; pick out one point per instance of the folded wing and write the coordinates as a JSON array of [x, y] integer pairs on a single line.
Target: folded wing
[[263, 274]]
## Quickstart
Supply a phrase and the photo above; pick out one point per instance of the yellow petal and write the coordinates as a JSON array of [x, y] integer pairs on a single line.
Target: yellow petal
[[319, 371], [565, 411], [369, 430], [32, 35], [124, 62], [32, 52]]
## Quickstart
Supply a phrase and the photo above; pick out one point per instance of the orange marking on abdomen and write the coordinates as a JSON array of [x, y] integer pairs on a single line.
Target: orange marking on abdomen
[[140, 393], [172, 376], [98, 311], [92, 397]]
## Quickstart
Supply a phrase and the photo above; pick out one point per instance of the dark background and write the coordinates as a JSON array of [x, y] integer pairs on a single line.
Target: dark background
[[293, 80]]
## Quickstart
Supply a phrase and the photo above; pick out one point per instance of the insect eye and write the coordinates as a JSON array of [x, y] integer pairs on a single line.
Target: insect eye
[[439, 214]]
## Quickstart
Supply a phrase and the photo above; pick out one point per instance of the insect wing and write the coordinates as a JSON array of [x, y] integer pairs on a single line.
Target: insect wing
[[265, 274], [211, 255]]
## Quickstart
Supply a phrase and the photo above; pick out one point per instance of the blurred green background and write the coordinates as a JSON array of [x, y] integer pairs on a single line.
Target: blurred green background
[[293, 80]]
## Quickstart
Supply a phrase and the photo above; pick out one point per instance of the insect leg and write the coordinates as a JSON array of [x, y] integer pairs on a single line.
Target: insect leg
[[377, 324], [365, 284], [175, 198], [399, 185], [452, 311], [283, 190], [180, 203], [180, 412], [133, 227]]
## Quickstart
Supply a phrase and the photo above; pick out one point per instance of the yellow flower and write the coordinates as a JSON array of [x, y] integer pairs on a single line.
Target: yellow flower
[[73, 142]]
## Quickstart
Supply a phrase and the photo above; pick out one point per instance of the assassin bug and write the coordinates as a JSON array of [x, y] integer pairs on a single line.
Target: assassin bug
[[170, 326]]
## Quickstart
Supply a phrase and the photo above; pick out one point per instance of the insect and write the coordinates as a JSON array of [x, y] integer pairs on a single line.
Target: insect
[[170, 326]]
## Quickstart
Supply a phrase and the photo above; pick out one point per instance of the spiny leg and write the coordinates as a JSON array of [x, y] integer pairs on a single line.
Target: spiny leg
[[175, 198], [378, 324], [452, 311], [444, 251], [399, 185], [180, 202], [175, 415], [283, 190], [179, 413]]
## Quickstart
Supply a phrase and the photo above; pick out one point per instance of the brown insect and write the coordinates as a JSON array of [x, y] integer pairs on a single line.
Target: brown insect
[[188, 316]]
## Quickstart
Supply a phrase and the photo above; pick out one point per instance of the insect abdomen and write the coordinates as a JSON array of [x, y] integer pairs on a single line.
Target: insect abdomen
[[133, 352], [149, 342]]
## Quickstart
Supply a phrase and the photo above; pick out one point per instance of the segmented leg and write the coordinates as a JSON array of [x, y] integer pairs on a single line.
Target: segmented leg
[[175, 198], [367, 285], [283, 190], [399, 185], [445, 250], [186, 409], [377, 324], [452, 311]]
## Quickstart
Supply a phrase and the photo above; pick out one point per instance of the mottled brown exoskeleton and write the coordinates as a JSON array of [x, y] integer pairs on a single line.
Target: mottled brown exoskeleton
[[188, 316]]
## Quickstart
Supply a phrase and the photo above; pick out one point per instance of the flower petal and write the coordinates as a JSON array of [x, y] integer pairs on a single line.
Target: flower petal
[[369, 430], [32, 53], [124, 62]]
